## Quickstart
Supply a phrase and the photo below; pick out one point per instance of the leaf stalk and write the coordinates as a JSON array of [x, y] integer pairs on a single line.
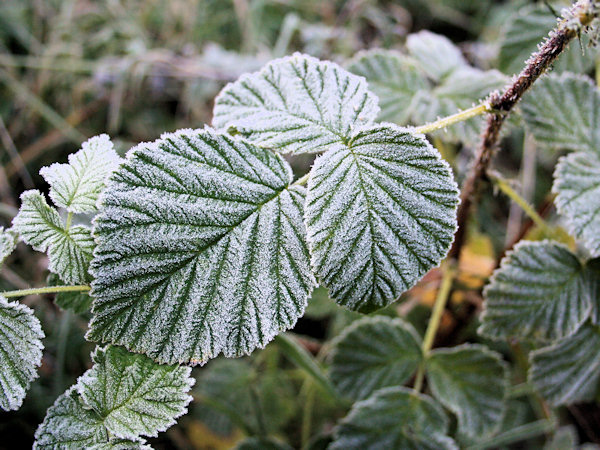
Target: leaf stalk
[[45, 290]]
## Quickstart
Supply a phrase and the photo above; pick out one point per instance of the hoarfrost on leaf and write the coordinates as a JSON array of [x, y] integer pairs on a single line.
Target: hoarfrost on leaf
[[577, 185], [471, 381], [296, 104], [539, 292], [69, 251], [201, 249], [133, 394], [8, 242], [394, 417], [374, 353], [436, 54], [380, 213], [568, 371], [77, 185], [20, 352]]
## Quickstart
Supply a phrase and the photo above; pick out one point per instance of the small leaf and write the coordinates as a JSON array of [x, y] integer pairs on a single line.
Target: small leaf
[[134, 395], [577, 185], [77, 185], [471, 381], [374, 353], [394, 417], [70, 424], [20, 352], [296, 104], [436, 54], [201, 250], [8, 242], [394, 78], [380, 214], [562, 113], [69, 251], [568, 371], [539, 292]]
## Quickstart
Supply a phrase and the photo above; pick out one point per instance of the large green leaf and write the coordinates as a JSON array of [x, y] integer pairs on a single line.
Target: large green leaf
[[397, 418], [373, 353], [134, 395], [76, 186], [577, 185], [563, 113], [69, 250], [20, 352], [395, 79], [526, 29], [296, 104], [8, 242], [380, 213], [471, 381], [539, 292], [201, 250], [568, 371], [123, 396]]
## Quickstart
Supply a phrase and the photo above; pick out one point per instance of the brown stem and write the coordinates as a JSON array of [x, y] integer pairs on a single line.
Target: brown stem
[[501, 105]]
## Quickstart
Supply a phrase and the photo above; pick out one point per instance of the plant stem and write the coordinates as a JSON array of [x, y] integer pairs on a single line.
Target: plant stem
[[517, 434], [506, 188], [434, 320], [501, 105], [302, 180], [69, 220], [45, 290], [461, 116]]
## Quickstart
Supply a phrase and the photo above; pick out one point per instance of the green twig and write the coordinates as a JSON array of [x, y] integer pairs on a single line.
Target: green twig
[[45, 290], [444, 122]]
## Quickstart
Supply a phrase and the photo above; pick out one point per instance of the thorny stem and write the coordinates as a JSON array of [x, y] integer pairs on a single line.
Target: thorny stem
[[434, 321], [501, 105], [45, 290], [461, 116]]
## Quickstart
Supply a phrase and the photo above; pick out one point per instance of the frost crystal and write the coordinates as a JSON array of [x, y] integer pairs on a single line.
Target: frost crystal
[[380, 213], [201, 249], [296, 104], [20, 352], [77, 185]]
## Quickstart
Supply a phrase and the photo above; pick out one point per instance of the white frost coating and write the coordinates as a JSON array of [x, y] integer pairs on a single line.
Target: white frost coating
[[201, 250], [69, 251], [133, 394], [20, 352], [436, 54], [8, 242], [394, 417], [568, 372], [374, 353], [77, 185], [380, 213], [539, 292], [563, 113], [296, 104], [577, 185], [471, 381], [395, 79]]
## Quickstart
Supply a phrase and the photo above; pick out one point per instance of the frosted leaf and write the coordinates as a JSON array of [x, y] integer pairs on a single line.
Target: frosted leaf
[[436, 54], [577, 185], [539, 292], [394, 78], [201, 250], [77, 185], [20, 352], [8, 242], [121, 444], [296, 104], [69, 251], [374, 353], [133, 394], [471, 381], [526, 29], [394, 417], [568, 371], [379, 214], [70, 424], [563, 112]]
